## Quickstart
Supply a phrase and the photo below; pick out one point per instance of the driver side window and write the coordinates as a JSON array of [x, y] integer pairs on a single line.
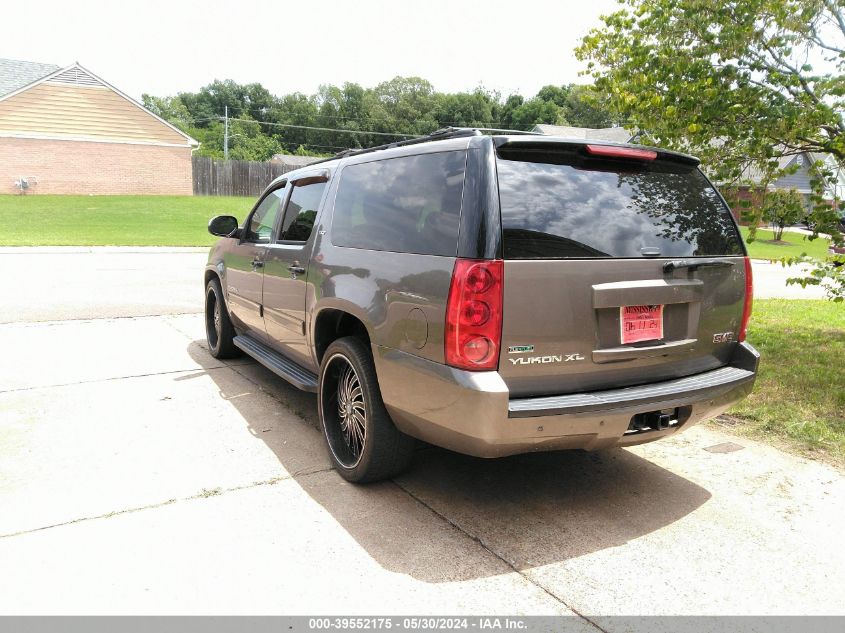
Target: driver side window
[[260, 229]]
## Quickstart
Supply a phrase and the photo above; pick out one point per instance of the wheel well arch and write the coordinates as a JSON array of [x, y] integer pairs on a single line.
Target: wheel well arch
[[210, 274], [332, 324]]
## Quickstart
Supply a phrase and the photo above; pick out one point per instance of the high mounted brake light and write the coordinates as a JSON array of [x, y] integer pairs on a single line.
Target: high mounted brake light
[[611, 151], [474, 314]]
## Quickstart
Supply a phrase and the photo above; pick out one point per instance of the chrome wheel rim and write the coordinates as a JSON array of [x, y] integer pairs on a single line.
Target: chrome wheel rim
[[351, 410], [344, 411]]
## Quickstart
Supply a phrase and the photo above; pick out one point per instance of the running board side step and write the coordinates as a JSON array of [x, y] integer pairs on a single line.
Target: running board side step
[[280, 365]]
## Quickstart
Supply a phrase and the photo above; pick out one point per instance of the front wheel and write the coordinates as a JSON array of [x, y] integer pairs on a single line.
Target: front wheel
[[364, 444], [219, 330]]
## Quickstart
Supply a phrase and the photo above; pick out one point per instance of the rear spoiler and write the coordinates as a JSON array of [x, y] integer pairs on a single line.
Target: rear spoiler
[[550, 143]]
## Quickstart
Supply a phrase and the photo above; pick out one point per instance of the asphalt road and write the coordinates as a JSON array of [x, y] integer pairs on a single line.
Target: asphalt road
[[138, 475], [55, 283]]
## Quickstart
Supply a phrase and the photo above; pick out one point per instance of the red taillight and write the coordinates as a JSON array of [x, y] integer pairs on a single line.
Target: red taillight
[[749, 297], [474, 314], [611, 151]]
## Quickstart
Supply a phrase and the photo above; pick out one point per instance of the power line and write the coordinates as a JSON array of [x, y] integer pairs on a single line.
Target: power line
[[325, 129], [242, 109], [314, 145], [304, 127], [371, 118]]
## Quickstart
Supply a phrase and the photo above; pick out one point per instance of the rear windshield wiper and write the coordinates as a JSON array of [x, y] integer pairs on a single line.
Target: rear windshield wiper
[[692, 264]]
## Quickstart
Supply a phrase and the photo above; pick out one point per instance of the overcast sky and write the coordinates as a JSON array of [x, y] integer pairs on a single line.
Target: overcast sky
[[165, 47]]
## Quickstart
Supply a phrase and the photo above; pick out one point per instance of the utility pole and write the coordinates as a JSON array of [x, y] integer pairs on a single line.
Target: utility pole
[[226, 134]]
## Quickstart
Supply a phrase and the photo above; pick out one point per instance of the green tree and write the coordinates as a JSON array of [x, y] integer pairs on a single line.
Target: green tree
[[351, 116], [405, 104], [462, 109], [741, 84], [559, 95], [586, 107], [171, 109], [781, 209], [535, 111], [247, 141], [243, 100], [689, 71], [293, 109]]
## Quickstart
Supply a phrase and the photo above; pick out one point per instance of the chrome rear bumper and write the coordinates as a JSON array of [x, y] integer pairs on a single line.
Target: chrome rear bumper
[[710, 383], [472, 412]]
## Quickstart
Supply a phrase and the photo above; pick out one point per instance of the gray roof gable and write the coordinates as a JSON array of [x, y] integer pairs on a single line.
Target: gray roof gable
[[799, 179], [616, 134], [292, 160], [15, 74]]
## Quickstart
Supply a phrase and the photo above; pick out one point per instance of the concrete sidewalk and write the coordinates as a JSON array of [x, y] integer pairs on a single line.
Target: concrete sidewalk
[[139, 475]]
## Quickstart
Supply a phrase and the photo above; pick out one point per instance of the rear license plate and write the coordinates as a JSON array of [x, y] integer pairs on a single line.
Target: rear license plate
[[641, 323]]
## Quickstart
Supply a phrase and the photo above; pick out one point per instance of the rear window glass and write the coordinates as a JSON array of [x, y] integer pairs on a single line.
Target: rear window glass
[[562, 205], [410, 204]]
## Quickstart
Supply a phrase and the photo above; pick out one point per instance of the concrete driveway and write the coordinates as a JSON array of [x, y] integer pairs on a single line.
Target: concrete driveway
[[138, 475]]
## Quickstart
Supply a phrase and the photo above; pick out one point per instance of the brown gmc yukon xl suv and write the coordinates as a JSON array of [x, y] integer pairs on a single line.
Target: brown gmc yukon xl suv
[[489, 294]]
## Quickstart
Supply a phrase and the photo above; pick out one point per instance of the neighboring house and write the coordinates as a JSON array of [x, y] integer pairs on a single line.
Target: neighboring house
[[292, 161], [67, 131], [615, 134], [803, 166]]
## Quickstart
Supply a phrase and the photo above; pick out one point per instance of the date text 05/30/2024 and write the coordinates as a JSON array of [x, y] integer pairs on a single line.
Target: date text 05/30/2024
[[417, 623]]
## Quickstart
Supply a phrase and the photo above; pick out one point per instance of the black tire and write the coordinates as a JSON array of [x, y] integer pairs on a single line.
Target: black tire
[[219, 330], [348, 405]]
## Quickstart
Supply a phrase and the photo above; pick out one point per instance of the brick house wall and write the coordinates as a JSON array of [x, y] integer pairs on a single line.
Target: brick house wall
[[736, 195], [90, 167], [73, 133]]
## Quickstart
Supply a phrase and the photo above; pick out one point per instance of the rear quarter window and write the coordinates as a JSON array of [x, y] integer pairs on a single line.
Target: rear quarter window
[[563, 205], [410, 204]]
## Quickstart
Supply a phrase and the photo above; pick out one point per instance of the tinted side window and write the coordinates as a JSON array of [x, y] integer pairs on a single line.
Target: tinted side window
[[566, 206], [301, 211], [410, 204], [261, 223]]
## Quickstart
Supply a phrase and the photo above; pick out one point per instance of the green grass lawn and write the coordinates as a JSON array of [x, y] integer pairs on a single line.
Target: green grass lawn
[[799, 397], [793, 245], [35, 220]]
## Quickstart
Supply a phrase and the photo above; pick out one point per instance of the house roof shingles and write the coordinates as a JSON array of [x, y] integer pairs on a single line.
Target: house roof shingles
[[292, 160], [15, 74], [616, 134]]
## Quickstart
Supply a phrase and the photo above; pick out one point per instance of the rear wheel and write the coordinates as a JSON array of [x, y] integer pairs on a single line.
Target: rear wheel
[[219, 330], [364, 444]]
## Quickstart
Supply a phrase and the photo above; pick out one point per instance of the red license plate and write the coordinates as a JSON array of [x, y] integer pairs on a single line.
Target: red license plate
[[641, 323]]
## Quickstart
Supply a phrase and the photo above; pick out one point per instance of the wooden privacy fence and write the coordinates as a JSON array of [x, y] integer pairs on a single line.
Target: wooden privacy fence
[[215, 177]]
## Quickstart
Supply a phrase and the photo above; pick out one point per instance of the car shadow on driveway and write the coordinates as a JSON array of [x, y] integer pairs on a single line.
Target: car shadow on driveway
[[530, 510]]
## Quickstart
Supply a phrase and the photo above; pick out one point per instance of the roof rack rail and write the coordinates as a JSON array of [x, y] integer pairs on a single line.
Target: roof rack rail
[[443, 133]]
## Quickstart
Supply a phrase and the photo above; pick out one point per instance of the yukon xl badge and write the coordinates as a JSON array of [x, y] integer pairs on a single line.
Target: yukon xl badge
[[554, 358]]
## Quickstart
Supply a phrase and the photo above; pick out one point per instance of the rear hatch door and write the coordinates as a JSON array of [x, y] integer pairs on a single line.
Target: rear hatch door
[[619, 270]]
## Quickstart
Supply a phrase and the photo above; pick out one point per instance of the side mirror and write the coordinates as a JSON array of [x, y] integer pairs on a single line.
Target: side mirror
[[223, 225]]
